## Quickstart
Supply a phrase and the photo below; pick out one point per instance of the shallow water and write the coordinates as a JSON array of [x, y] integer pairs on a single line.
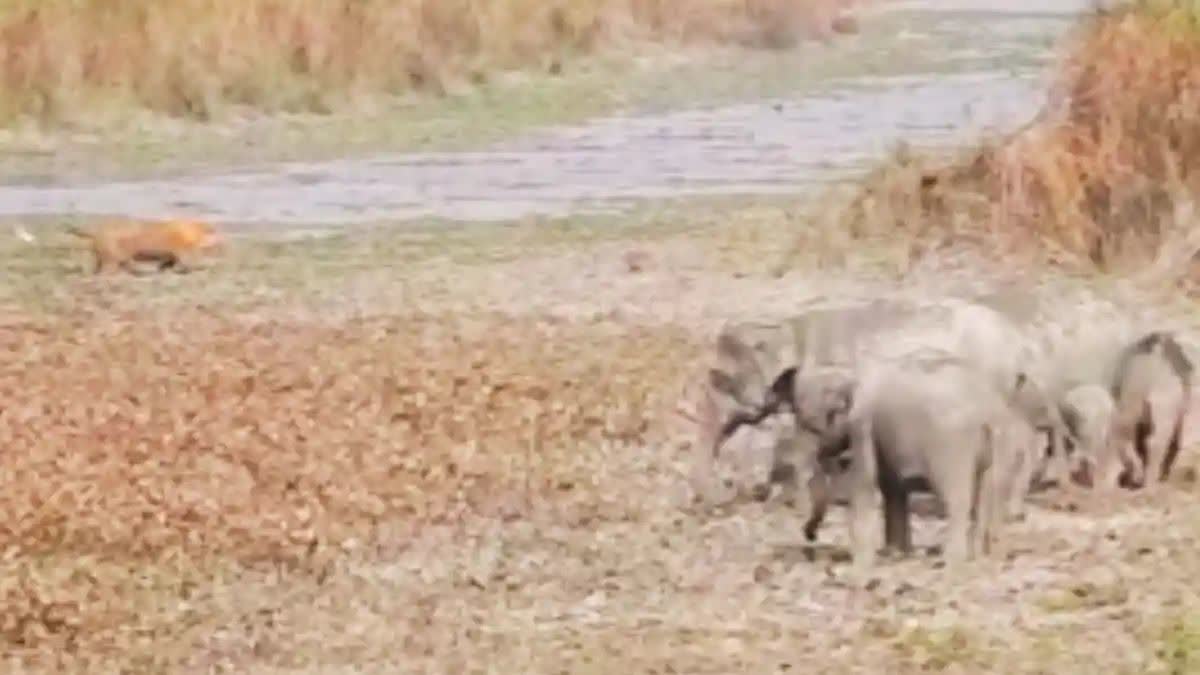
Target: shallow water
[[977, 69]]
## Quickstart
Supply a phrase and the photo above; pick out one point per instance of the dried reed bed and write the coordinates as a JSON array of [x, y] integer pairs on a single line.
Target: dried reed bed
[[60, 59], [146, 458], [1107, 174]]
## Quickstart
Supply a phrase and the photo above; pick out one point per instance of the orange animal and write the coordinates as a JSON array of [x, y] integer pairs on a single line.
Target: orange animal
[[170, 243]]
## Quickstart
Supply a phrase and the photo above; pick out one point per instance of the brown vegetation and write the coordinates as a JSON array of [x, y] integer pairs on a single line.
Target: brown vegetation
[[400, 483], [59, 59], [1108, 173], [173, 448]]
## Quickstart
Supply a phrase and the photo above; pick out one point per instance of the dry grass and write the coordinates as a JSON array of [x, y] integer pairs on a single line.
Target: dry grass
[[64, 59], [1108, 174], [141, 456], [193, 482]]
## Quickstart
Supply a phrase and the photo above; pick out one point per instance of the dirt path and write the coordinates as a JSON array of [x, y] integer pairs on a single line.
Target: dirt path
[[930, 73]]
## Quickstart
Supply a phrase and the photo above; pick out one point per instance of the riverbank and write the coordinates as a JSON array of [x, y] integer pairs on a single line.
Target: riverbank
[[263, 81], [1105, 178], [718, 122]]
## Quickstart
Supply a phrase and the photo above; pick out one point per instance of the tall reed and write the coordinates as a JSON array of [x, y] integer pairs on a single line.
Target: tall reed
[[1107, 173], [59, 58]]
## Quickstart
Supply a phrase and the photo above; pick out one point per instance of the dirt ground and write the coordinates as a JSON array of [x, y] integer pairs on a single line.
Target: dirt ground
[[467, 456]]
